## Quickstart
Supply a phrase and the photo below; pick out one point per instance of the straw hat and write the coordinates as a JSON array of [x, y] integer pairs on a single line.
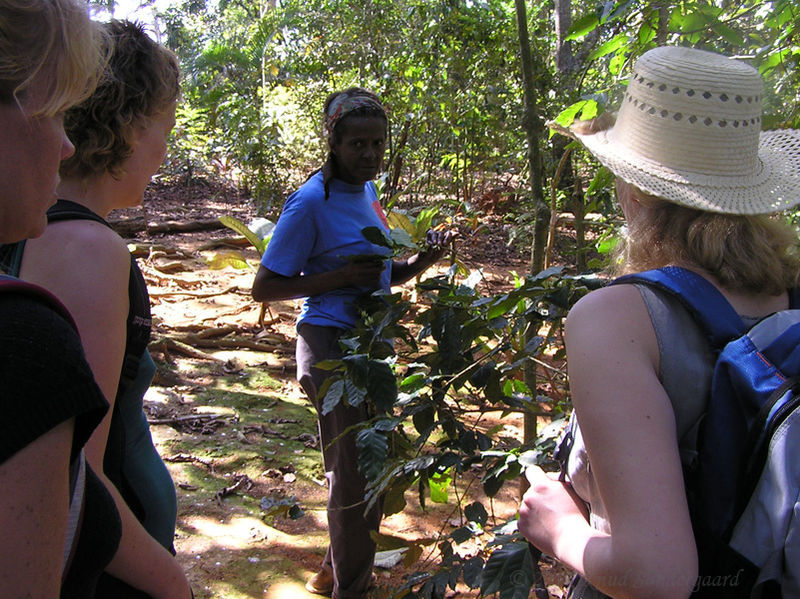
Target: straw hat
[[689, 131]]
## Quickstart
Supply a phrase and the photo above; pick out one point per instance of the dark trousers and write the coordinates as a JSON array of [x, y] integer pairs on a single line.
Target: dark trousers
[[351, 551]]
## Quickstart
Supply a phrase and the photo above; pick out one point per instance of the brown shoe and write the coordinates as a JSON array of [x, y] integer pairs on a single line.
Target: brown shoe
[[321, 583]]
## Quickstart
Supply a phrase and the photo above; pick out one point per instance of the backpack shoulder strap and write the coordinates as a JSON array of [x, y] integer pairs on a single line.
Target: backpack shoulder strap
[[708, 306]]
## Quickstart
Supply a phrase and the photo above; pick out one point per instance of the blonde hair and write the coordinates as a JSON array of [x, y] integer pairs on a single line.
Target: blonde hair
[[751, 253], [142, 81], [52, 38]]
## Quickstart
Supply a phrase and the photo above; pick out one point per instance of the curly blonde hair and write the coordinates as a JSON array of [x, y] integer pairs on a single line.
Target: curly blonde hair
[[142, 80], [751, 253], [54, 39]]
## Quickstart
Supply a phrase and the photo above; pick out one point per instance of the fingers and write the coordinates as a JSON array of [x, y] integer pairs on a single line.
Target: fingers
[[440, 239], [535, 475]]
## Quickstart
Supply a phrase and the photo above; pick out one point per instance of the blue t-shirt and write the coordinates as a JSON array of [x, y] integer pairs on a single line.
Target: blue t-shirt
[[315, 235]]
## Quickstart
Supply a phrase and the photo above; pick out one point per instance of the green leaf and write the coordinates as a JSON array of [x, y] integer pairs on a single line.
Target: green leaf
[[398, 220], [607, 245], [603, 179], [730, 35], [491, 485], [413, 382], [567, 116], [386, 542], [503, 305], [534, 344], [582, 26], [353, 394], [480, 378], [357, 368], [447, 332], [228, 258], [509, 571], [412, 555], [616, 63], [472, 570], [423, 420], [394, 500], [333, 396], [612, 45], [439, 483], [589, 110], [244, 231], [475, 512], [373, 450], [329, 364], [401, 238], [376, 236], [381, 385], [460, 535], [692, 21], [424, 221]]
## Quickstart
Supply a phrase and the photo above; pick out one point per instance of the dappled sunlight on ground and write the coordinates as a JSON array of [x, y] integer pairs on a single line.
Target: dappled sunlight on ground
[[241, 532], [287, 590]]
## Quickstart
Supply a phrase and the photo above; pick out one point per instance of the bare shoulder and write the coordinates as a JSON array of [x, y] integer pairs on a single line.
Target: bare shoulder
[[84, 244], [79, 258], [614, 318], [607, 306], [86, 234]]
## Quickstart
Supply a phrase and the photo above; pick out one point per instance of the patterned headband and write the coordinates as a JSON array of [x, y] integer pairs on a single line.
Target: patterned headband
[[344, 105]]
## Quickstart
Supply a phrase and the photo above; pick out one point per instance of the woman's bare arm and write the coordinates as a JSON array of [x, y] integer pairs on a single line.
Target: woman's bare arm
[[628, 426], [33, 505]]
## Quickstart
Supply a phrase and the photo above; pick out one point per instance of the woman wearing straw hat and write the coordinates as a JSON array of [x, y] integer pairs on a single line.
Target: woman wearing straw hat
[[311, 255], [696, 181]]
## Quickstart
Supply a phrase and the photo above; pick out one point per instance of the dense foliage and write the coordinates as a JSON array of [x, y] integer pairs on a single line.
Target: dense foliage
[[430, 385]]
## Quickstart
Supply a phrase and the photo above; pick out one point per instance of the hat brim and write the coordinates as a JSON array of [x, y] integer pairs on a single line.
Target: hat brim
[[775, 187]]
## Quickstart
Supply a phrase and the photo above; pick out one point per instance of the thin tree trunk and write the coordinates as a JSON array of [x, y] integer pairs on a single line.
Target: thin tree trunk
[[533, 133], [663, 22], [567, 65], [397, 162]]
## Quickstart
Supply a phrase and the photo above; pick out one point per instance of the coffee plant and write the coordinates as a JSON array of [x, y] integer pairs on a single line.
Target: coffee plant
[[428, 377]]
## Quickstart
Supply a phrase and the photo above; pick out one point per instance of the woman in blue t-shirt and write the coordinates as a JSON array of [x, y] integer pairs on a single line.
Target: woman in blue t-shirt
[[310, 255]]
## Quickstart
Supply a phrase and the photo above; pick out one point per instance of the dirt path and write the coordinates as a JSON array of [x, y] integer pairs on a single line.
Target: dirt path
[[233, 425]]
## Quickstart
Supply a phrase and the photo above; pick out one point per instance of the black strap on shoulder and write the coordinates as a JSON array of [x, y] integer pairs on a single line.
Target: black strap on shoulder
[[65, 210], [69, 210]]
